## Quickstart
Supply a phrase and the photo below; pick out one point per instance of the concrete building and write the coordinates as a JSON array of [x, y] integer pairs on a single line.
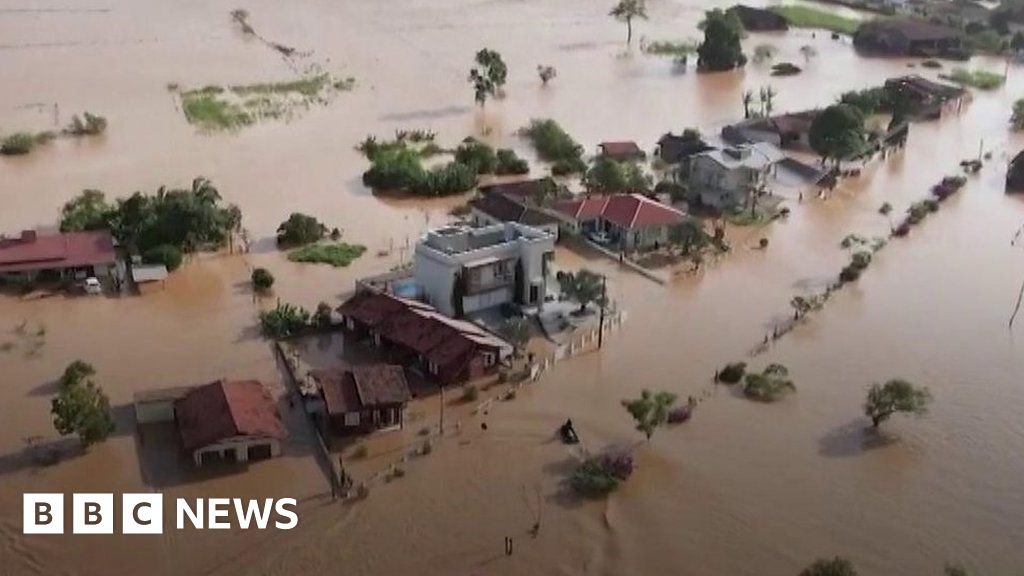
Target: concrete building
[[466, 270], [725, 178]]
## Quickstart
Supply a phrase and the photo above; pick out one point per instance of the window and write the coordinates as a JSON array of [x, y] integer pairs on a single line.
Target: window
[[489, 359], [352, 419]]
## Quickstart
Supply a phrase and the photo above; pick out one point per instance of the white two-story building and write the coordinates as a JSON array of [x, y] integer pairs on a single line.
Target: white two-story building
[[466, 270]]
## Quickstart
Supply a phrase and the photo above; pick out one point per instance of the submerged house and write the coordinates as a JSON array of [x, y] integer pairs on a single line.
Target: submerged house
[[231, 421], [922, 97], [910, 37], [418, 337], [759, 19], [787, 131], [63, 256], [627, 221], [467, 270], [1015, 174], [725, 178], [676, 152], [495, 207], [365, 398], [623, 151]]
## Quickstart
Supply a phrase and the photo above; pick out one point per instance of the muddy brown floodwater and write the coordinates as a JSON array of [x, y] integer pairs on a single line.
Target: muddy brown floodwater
[[744, 489]]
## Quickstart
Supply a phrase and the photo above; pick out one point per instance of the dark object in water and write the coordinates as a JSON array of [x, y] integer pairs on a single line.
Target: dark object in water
[[785, 69], [568, 433], [933, 64], [902, 230], [680, 415], [1015, 174]]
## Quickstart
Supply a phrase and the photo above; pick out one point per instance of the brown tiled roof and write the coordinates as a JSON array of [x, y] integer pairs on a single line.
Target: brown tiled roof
[[624, 150], [362, 387], [372, 308], [629, 211], [521, 189], [381, 384], [225, 409], [32, 251], [505, 209]]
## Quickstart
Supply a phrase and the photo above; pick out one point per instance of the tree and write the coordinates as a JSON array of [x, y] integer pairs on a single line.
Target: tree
[[837, 566], [688, 235], [477, 155], [769, 385], [721, 49], [650, 410], [92, 125], [517, 331], [767, 94], [837, 132], [546, 73], [626, 11], [300, 229], [1017, 119], [606, 175], [262, 280], [164, 254], [895, 396], [488, 76], [584, 287], [76, 373], [87, 211], [324, 316], [748, 99], [808, 52], [82, 407]]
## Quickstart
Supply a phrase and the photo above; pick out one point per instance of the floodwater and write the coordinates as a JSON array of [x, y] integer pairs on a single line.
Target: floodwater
[[743, 489]]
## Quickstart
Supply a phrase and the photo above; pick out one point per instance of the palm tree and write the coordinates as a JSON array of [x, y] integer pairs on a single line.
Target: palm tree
[[767, 94], [204, 191], [748, 99], [625, 11]]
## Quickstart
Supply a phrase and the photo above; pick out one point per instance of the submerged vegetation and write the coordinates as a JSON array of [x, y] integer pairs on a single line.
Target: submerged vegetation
[[186, 219], [555, 145], [800, 16], [980, 79], [768, 386], [598, 476], [214, 108], [87, 125], [284, 320], [21, 143], [338, 254], [678, 50], [721, 49], [81, 407], [895, 396]]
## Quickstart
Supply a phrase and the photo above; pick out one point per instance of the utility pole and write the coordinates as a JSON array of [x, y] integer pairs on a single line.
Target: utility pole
[[604, 303]]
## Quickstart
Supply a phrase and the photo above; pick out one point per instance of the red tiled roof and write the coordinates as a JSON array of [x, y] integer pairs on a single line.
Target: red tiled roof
[[372, 308], [629, 211], [221, 410], [31, 252]]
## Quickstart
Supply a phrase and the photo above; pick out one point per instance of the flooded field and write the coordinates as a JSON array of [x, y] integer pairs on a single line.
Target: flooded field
[[745, 488]]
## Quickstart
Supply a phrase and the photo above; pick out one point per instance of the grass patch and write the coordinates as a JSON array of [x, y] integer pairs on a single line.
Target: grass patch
[[980, 79], [807, 17], [218, 108], [337, 255], [555, 145], [677, 50]]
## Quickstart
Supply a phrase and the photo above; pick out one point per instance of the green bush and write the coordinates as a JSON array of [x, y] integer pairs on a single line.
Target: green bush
[[452, 178], [768, 386], [92, 125], [553, 144], [284, 320], [262, 279], [477, 155], [300, 229], [732, 373], [17, 144], [509, 163], [850, 273], [394, 169], [165, 254]]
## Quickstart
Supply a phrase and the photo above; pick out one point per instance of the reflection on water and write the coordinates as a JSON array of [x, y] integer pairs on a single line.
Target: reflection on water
[[742, 489]]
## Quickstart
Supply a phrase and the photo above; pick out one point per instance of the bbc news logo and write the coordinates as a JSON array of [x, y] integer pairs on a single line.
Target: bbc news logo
[[144, 514]]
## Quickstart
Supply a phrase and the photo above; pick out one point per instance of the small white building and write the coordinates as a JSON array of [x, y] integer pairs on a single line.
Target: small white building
[[465, 270], [725, 178]]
